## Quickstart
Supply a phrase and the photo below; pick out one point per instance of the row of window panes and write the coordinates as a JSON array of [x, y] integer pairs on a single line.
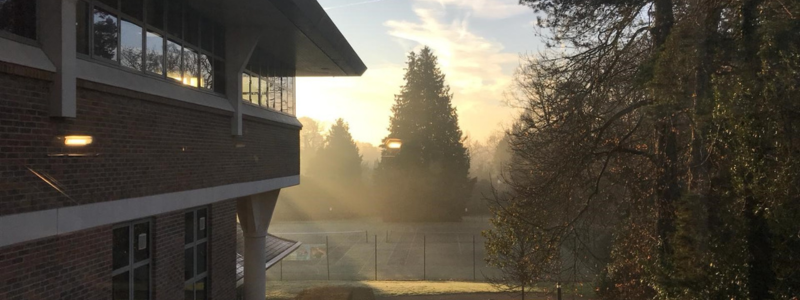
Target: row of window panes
[[271, 92], [190, 52]]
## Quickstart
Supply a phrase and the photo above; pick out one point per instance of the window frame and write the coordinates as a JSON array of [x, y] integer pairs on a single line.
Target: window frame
[[132, 265], [193, 245], [165, 35]]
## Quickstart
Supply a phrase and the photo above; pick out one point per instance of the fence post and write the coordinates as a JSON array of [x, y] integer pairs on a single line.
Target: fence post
[[424, 267], [474, 277], [327, 257], [366, 237], [387, 236], [376, 257]]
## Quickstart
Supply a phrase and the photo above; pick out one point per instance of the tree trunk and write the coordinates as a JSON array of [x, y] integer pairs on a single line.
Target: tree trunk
[[760, 276], [667, 151]]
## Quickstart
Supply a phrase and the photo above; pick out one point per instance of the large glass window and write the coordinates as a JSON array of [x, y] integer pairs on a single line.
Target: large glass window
[[158, 37], [190, 68], [195, 252], [82, 27], [106, 31], [206, 72], [246, 87], [263, 94], [18, 17], [174, 51], [130, 276], [274, 89], [155, 53], [131, 40]]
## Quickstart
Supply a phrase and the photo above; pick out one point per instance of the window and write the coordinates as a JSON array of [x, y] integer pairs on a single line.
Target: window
[[131, 53], [268, 83], [246, 87], [196, 254], [131, 261], [18, 17], [105, 34], [190, 68], [155, 53], [158, 37], [206, 71], [82, 27]]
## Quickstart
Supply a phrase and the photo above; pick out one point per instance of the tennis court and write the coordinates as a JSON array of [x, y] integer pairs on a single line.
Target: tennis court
[[351, 250]]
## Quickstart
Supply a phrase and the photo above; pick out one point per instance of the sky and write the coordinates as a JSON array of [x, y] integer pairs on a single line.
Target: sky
[[478, 43]]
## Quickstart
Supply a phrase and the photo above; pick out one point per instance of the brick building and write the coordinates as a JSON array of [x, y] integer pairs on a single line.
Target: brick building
[[133, 133]]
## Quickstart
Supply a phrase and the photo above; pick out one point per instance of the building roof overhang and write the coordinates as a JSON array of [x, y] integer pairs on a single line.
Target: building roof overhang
[[296, 32]]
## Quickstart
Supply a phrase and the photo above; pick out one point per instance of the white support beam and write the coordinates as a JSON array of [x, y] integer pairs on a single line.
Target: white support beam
[[239, 45], [255, 213], [58, 43]]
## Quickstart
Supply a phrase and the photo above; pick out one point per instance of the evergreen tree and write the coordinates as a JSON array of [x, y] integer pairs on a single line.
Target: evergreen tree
[[429, 178], [338, 161]]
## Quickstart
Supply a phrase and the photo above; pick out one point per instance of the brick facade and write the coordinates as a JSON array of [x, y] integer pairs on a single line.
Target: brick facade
[[222, 254], [168, 256], [144, 145], [78, 265], [73, 266]]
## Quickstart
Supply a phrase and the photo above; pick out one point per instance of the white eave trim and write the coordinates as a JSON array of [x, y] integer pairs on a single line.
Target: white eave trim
[[18, 228], [24, 55], [266, 114], [136, 81]]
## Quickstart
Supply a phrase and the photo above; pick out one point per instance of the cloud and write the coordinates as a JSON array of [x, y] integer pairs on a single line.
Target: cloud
[[476, 68], [489, 9]]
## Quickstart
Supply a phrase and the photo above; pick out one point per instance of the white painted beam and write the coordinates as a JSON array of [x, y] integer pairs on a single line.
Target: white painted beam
[[57, 35], [239, 45]]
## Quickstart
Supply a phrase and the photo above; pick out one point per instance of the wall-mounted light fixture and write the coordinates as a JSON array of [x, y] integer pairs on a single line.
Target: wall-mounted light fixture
[[77, 140], [394, 144], [392, 147]]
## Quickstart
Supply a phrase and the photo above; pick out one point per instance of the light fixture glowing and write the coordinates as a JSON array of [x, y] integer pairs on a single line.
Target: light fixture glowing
[[77, 140], [394, 143]]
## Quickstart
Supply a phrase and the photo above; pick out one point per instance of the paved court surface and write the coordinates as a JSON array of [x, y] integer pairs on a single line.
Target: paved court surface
[[417, 251]]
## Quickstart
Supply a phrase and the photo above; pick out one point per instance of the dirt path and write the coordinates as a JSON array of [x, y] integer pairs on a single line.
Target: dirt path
[[471, 296], [477, 296]]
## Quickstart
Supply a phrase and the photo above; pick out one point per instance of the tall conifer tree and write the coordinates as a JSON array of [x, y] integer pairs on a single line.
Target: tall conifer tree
[[429, 177]]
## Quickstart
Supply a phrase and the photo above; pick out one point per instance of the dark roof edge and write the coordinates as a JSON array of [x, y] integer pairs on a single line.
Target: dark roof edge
[[311, 19], [283, 255]]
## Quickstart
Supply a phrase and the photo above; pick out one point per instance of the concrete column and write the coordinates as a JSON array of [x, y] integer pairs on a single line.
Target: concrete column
[[57, 35], [255, 213], [239, 45]]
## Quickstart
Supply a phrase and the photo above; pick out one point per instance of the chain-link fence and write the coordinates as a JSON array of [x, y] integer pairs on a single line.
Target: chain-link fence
[[385, 255]]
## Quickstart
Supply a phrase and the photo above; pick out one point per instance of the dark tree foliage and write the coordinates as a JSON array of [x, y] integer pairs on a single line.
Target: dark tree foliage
[[658, 147], [429, 178]]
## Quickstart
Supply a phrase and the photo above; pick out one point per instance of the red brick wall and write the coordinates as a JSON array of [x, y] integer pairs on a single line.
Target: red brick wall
[[72, 266], [223, 250], [146, 145], [78, 265], [167, 260]]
